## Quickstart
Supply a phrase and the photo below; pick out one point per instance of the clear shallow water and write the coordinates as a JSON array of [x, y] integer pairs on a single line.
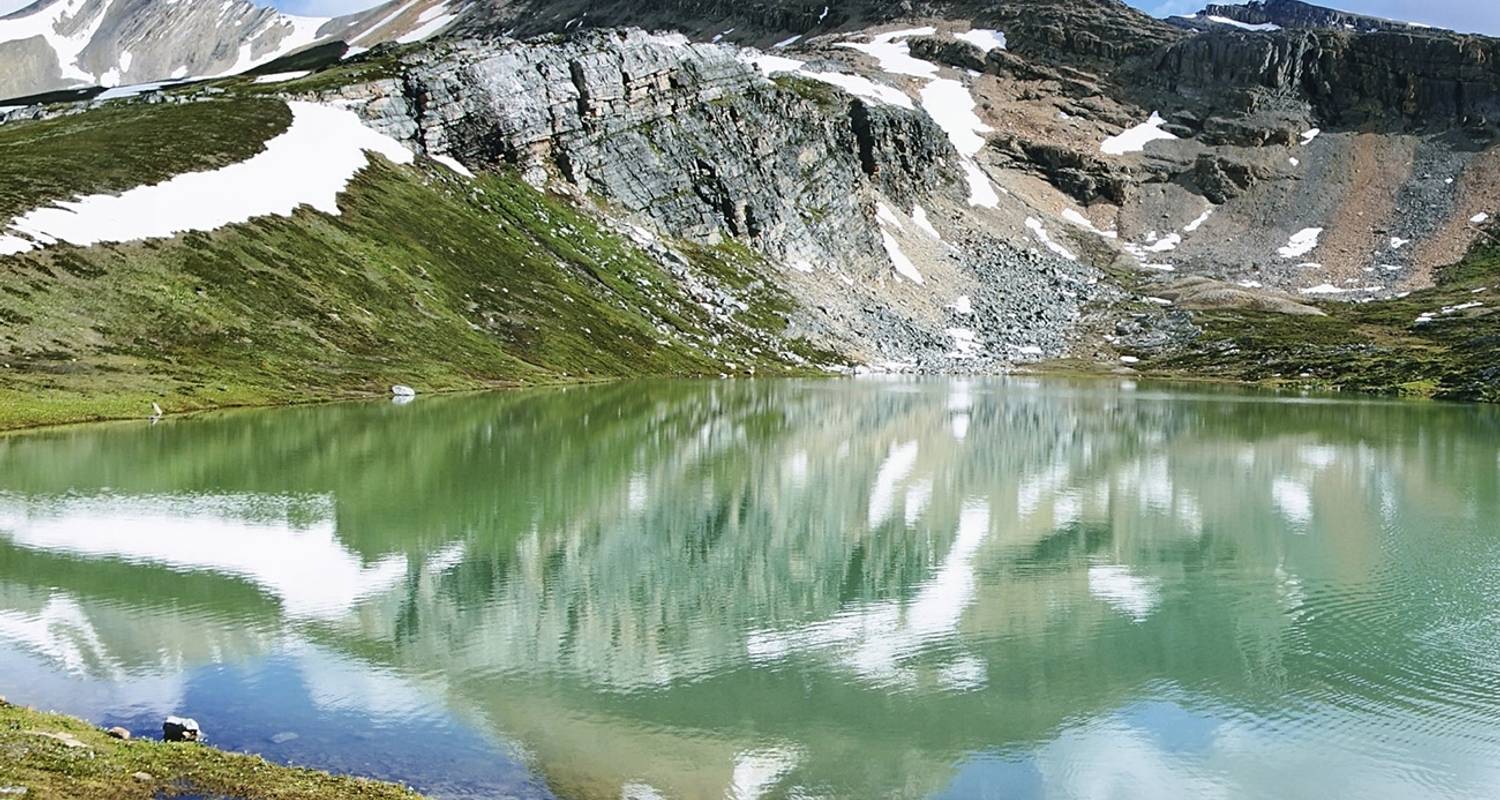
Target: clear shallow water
[[953, 589]]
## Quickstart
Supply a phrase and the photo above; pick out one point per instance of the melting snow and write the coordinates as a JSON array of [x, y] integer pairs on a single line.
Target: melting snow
[[1035, 225], [1301, 243], [1084, 222], [895, 56], [952, 107], [283, 77], [1198, 223], [309, 163], [1264, 26], [903, 265], [1134, 140], [432, 20], [857, 85], [981, 190], [452, 163], [983, 38], [920, 219], [120, 92]]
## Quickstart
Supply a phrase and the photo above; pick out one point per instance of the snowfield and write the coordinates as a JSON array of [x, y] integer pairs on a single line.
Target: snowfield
[[308, 164]]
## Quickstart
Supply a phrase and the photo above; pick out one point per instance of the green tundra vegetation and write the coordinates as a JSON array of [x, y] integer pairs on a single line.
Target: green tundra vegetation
[[426, 278], [1441, 342], [56, 757]]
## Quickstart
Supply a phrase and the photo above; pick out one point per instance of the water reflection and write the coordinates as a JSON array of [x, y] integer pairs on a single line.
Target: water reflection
[[946, 588]]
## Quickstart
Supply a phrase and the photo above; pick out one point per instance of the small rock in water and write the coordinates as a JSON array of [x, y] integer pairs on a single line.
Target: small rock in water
[[283, 737], [118, 732], [180, 729], [401, 390]]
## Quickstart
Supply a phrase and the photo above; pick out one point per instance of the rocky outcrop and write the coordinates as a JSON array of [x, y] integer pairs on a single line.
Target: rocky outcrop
[[687, 137], [1385, 79], [1296, 14]]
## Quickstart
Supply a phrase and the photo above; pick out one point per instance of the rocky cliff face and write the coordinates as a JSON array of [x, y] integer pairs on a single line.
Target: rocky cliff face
[[685, 137], [1296, 14], [1387, 79]]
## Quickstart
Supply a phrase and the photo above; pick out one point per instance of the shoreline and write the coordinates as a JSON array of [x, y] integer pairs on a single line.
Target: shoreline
[[57, 755], [1061, 369]]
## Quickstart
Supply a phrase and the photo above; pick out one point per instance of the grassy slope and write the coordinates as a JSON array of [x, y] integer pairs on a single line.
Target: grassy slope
[[1376, 347], [426, 278], [62, 758]]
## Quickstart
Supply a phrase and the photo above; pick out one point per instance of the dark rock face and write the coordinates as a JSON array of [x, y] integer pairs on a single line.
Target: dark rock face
[[1082, 177], [1384, 79]]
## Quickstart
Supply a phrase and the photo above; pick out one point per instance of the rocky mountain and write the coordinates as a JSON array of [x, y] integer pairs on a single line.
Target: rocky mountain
[[694, 187], [1297, 14], [56, 44]]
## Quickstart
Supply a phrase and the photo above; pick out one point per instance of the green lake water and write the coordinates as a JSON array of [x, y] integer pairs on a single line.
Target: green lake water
[[1007, 588]]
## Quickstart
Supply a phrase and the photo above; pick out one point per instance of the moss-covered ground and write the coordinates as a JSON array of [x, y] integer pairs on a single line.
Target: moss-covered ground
[[55, 757]]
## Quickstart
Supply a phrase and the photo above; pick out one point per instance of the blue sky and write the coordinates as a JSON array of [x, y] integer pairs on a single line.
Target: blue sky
[[1465, 15]]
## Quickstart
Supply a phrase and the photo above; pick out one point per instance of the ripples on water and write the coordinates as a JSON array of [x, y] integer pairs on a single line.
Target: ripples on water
[[777, 589]]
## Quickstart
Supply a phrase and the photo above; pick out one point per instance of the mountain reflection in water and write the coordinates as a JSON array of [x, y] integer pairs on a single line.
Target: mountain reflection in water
[[1001, 588]]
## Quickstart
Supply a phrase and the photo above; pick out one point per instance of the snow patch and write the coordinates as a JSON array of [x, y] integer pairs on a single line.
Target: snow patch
[[787, 42], [1309, 135], [1084, 222], [1198, 223], [857, 85], [1134, 140], [432, 20], [1480, 218], [1301, 243], [903, 265], [452, 163], [920, 219], [1264, 27], [309, 163], [1397, 242], [282, 77], [894, 56], [962, 305], [1038, 230], [983, 38]]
